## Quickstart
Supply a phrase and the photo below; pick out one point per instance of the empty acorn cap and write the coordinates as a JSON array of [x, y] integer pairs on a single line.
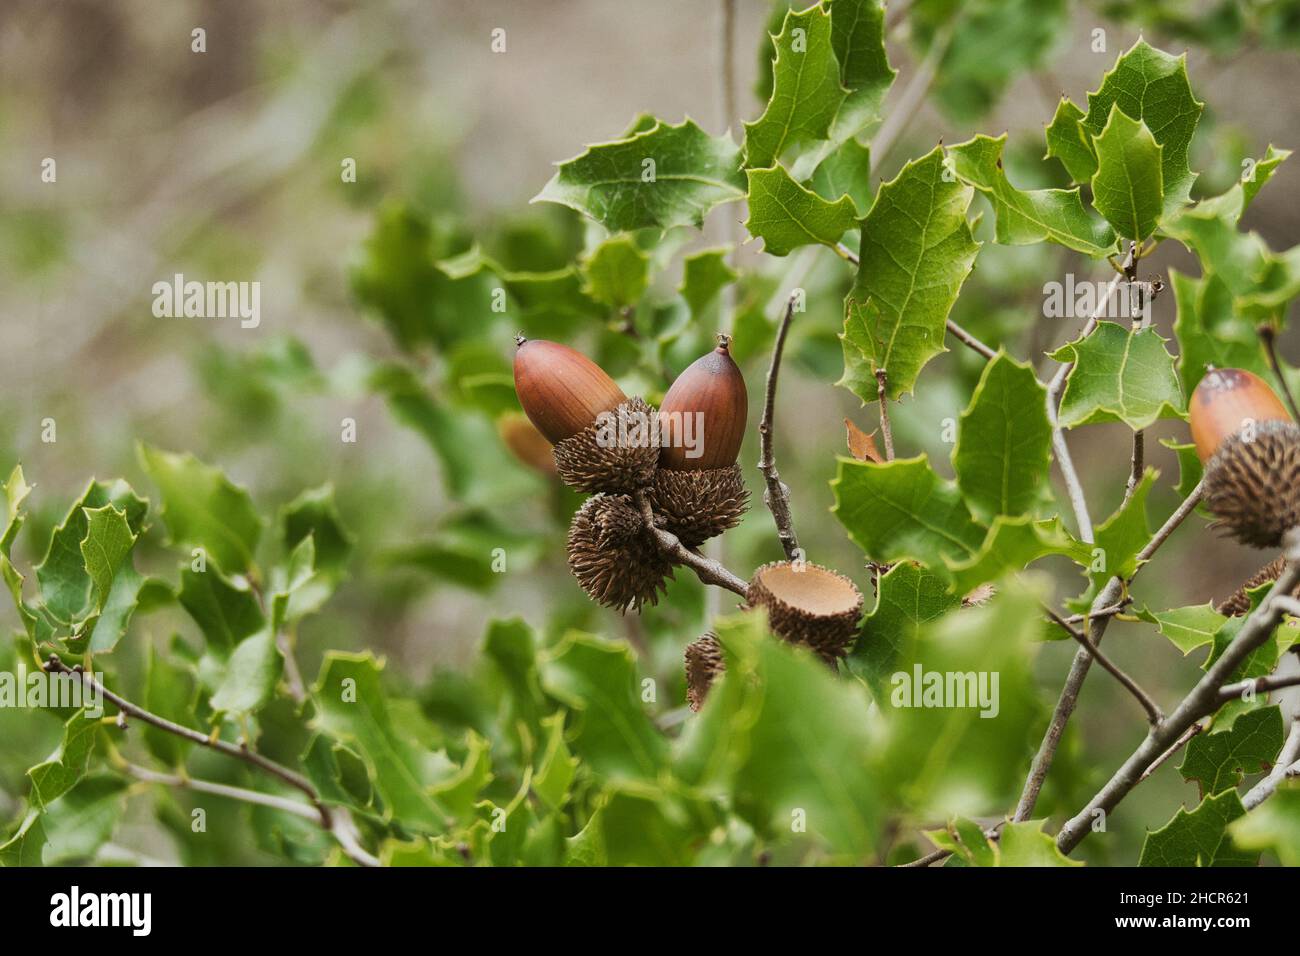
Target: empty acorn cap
[[699, 505], [615, 453], [808, 604], [613, 556], [1252, 484], [704, 662]]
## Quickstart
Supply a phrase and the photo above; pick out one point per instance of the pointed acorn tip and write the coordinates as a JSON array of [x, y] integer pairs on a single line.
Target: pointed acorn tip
[[724, 342], [520, 339]]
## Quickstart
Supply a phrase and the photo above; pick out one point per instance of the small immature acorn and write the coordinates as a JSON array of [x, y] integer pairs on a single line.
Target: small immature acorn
[[601, 436], [525, 442], [699, 489], [1251, 451], [1238, 603], [613, 556], [704, 662], [810, 605]]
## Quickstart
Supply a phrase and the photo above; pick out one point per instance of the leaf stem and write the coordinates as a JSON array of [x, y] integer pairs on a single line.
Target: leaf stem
[[777, 495], [1268, 335], [882, 387]]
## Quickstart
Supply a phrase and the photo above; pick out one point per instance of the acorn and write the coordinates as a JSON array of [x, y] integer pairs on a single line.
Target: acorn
[[613, 556], [698, 488], [704, 662], [603, 439], [809, 605], [1238, 603], [1251, 451], [525, 442]]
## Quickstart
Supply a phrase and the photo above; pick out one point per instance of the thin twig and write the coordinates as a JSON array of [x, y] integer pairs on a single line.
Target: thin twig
[[1258, 685], [239, 752], [1177, 745], [274, 801], [1203, 699], [1268, 335], [1284, 767], [337, 822], [1117, 608], [708, 571], [1154, 716], [967, 339], [777, 495], [1079, 667], [882, 388]]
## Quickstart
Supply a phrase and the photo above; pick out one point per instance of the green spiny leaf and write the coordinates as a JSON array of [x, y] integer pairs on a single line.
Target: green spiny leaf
[[1119, 375], [785, 215], [1127, 188]]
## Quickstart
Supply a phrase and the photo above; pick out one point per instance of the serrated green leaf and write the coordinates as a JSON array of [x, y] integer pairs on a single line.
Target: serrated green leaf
[[1004, 442], [692, 173], [1190, 469], [351, 705], [917, 250], [459, 792], [1199, 838], [1071, 143], [1217, 761], [1127, 188], [1125, 533], [1187, 627], [226, 611], [908, 597], [1013, 543], [1274, 826], [64, 768], [1150, 85], [202, 508], [26, 846], [251, 674], [106, 545], [66, 586], [806, 90], [16, 491], [902, 510], [616, 273], [1119, 375], [846, 171], [1210, 331], [315, 513], [611, 730], [788, 741], [858, 39], [785, 215], [556, 767], [1017, 844], [83, 819], [1260, 172], [704, 275], [1029, 216]]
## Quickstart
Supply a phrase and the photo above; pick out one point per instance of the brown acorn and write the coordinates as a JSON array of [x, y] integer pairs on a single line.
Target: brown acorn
[[810, 605], [704, 662], [613, 556], [1238, 603], [1251, 451], [702, 417], [699, 489], [525, 442], [602, 438], [560, 389]]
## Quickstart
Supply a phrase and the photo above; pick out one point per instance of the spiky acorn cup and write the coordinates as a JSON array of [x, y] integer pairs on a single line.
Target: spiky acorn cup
[[613, 556], [704, 662], [698, 489], [1238, 603], [1251, 451], [810, 605], [601, 437]]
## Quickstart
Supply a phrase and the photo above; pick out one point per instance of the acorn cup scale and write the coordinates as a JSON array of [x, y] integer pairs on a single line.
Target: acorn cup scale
[[1251, 451]]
